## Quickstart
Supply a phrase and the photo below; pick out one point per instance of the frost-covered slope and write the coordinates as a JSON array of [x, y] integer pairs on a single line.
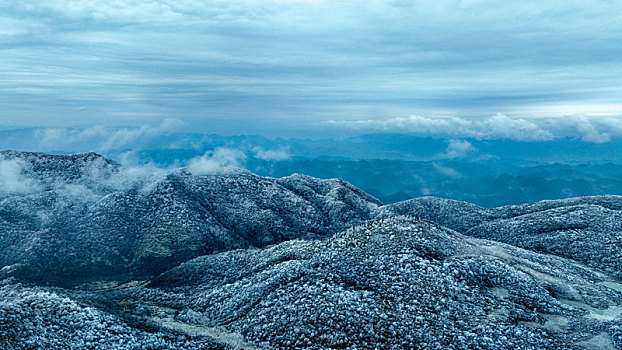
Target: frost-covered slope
[[585, 229], [48, 168], [180, 259], [41, 318], [397, 283], [86, 218], [386, 284]]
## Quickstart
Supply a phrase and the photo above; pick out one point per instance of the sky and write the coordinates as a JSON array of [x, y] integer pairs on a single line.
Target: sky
[[533, 70]]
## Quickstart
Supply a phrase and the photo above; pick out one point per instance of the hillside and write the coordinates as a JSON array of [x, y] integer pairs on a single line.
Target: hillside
[[392, 283], [95, 255], [92, 220], [585, 229]]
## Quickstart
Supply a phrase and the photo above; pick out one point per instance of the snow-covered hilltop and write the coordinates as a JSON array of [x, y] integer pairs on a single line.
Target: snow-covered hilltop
[[85, 218], [586, 229], [94, 255]]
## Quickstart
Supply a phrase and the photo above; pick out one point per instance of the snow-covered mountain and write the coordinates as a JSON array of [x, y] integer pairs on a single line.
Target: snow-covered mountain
[[84, 218], [95, 255], [394, 283], [586, 229]]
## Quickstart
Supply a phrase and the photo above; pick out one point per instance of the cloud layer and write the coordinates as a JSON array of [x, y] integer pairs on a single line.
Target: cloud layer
[[98, 138], [498, 126], [261, 65]]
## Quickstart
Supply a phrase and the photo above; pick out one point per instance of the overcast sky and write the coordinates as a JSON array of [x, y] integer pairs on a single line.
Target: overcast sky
[[536, 69]]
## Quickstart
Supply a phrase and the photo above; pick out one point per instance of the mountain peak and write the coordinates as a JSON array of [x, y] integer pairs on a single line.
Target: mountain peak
[[179, 215]]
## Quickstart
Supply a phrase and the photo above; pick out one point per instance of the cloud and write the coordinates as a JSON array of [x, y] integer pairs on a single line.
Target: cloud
[[449, 172], [132, 174], [220, 160], [126, 137], [100, 138], [98, 178], [458, 149], [13, 180], [258, 64], [271, 155], [505, 127], [497, 126], [590, 132]]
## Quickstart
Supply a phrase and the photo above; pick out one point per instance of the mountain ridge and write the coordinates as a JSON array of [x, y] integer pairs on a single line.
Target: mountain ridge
[[586, 229], [95, 255], [148, 228]]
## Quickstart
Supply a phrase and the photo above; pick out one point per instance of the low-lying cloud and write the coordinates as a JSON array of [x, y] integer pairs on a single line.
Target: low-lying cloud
[[98, 178], [100, 138], [12, 179], [498, 126], [271, 154], [220, 160], [458, 149]]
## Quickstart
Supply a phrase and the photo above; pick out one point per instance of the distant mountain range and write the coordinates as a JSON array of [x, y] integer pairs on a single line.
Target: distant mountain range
[[165, 146], [486, 183], [392, 167], [97, 255]]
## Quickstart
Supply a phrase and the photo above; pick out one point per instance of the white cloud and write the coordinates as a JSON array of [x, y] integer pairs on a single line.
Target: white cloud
[[589, 131], [271, 155], [13, 180], [414, 123], [450, 172], [126, 137], [220, 160], [498, 126], [99, 138], [505, 127], [132, 174], [458, 149]]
